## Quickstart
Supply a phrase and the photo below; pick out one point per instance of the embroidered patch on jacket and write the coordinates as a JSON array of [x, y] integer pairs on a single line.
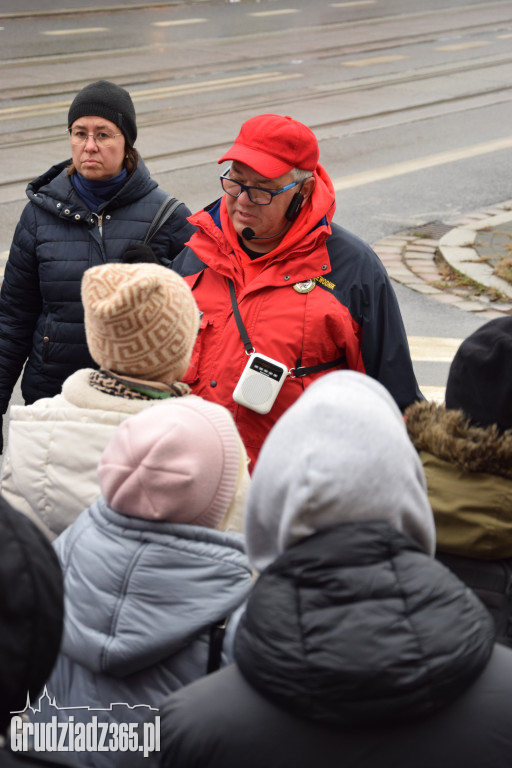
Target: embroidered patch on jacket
[[325, 282]]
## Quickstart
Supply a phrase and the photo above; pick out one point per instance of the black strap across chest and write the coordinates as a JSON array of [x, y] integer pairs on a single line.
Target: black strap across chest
[[299, 371]]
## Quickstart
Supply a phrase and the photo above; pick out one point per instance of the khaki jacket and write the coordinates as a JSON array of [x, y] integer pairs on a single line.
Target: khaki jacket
[[469, 478]]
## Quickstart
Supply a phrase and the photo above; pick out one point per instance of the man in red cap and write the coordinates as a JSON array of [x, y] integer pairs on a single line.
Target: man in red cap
[[285, 294]]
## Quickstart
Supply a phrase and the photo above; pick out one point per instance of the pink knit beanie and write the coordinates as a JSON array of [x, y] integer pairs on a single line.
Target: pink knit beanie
[[176, 461], [141, 320]]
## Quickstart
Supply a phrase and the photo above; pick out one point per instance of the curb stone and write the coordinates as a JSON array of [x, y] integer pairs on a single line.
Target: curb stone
[[409, 258]]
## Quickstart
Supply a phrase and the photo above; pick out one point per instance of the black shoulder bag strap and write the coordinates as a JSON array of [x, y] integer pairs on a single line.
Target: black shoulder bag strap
[[300, 370], [217, 632], [294, 373], [239, 322], [166, 210]]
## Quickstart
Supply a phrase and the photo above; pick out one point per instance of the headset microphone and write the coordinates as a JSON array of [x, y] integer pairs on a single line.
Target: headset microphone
[[250, 234]]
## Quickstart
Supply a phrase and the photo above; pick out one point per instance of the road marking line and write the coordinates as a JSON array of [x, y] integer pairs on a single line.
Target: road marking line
[[370, 62], [275, 13], [461, 46], [158, 93], [433, 349], [237, 79], [356, 2], [212, 85], [84, 31], [421, 163], [176, 23]]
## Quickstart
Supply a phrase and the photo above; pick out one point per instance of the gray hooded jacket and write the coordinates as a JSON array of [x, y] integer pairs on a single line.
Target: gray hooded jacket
[[141, 597], [356, 644]]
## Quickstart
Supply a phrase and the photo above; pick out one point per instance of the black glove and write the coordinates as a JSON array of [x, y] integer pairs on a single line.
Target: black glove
[[1, 434], [137, 253]]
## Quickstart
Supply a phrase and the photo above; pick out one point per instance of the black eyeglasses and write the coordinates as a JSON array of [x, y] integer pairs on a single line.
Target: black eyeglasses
[[257, 195]]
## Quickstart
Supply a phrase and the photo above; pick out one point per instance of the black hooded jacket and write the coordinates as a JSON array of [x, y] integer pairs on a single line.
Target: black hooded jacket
[[356, 649], [31, 624]]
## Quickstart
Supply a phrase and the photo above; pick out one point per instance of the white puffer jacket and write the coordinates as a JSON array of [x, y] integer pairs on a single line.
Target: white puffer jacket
[[54, 445]]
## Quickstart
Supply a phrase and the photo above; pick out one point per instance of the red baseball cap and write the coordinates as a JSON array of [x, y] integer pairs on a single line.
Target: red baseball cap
[[272, 145]]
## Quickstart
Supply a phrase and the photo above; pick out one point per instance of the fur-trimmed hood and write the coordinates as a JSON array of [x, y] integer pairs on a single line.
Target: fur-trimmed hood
[[449, 435], [469, 480]]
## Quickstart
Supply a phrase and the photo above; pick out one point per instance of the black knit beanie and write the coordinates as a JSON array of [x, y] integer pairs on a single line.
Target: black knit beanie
[[480, 377], [108, 100]]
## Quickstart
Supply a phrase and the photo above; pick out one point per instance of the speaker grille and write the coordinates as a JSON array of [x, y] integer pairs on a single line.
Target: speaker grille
[[256, 389]]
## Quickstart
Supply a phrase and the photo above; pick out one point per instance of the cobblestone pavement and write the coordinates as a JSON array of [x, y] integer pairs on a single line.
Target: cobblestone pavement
[[472, 245]]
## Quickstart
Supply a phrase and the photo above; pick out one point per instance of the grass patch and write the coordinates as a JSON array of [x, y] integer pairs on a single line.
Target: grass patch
[[452, 278], [503, 269]]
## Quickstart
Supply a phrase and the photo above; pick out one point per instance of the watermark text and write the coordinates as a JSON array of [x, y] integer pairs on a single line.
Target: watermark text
[[94, 736]]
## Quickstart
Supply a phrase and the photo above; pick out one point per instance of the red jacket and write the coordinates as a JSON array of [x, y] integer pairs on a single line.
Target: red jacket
[[351, 312]]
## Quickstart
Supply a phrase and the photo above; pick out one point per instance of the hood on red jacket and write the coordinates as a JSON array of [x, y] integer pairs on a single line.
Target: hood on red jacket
[[312, 223]]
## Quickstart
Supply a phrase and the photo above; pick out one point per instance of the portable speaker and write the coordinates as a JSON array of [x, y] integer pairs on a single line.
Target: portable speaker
[[260, 382]]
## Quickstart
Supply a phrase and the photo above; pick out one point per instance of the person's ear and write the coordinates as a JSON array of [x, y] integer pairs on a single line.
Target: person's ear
[[308, 187]]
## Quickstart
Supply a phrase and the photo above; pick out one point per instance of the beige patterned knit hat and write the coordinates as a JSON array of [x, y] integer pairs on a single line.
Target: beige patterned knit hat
[[141, 320]]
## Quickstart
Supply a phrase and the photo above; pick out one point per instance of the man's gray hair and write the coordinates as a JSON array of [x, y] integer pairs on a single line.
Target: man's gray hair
[[300, 175]]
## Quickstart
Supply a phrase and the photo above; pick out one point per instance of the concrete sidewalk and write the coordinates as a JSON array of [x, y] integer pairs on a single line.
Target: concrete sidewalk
[[424, 257]]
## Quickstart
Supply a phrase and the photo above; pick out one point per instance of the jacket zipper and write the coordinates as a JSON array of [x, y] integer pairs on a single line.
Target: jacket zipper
[[99, 217]]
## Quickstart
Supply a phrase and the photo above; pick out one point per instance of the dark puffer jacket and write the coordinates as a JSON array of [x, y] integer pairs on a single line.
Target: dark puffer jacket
[[356, 649], [31, 621], [56, 240]]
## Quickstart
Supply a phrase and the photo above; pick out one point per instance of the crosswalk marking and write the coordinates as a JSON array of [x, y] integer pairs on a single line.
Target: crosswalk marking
[[436, 394], [433, 349]]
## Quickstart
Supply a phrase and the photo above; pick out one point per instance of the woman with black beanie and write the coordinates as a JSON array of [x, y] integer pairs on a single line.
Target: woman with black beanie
[[85, 211]]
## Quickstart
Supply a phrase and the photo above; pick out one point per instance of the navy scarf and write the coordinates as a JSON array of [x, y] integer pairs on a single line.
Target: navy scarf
[[96, 193]]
